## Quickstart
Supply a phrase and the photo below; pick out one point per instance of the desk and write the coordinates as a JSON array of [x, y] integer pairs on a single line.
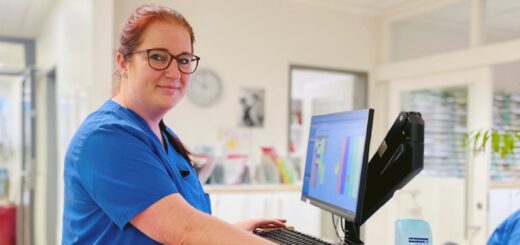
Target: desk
[[240, 202]]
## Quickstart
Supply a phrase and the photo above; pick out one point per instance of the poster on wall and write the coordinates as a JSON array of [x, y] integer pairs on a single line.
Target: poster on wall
[[252, 107]]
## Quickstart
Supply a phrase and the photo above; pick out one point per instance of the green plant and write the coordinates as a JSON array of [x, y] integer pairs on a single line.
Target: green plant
[[502, 142]]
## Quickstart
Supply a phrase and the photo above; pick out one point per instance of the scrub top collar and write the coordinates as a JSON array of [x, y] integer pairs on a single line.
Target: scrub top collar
[[142, 124]]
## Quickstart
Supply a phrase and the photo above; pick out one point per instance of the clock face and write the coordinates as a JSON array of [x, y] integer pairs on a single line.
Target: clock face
[[205, 87]]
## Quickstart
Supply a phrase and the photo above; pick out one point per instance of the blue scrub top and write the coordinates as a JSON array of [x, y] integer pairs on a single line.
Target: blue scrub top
[[115, 168], [507, 233]]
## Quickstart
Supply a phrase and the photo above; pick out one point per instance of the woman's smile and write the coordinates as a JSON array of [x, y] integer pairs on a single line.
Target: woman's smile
[[170, 88]]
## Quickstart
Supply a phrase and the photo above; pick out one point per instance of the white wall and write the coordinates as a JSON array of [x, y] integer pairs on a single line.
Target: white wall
[[412, 39], [62, 43], [252, 44], [506, 77], [76, 40], [46, 57]]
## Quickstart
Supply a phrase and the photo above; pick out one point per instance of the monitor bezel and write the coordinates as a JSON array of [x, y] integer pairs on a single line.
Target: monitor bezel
[[344, 213]]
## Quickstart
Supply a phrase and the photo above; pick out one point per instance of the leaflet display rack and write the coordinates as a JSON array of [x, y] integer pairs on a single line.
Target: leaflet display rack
[[506, 118], [445, 115]]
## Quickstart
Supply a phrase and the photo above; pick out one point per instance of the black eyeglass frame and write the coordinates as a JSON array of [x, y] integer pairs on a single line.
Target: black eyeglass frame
[[172, 57]]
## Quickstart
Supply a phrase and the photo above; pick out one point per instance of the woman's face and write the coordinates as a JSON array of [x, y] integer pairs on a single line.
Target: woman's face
[[151, 89]]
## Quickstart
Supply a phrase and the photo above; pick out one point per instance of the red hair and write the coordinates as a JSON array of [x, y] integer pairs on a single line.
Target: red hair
[[131, 36]]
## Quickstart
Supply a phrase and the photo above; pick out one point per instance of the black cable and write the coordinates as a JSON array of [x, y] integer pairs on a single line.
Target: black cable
[[335, 224], [343, 225]]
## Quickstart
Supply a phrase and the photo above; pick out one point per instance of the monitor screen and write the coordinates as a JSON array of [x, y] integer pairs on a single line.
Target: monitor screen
[[336, 162]]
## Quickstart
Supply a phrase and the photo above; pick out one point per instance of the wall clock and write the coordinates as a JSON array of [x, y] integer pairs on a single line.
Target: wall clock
[[205, 88]]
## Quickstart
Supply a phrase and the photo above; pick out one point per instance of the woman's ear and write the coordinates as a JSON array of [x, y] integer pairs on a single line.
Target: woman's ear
[[121, 63]]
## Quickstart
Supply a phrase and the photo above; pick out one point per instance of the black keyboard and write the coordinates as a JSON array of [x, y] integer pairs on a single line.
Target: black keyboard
[[289, 237]]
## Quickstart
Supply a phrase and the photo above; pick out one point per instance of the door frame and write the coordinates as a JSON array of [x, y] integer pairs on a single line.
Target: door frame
[[25, 213]]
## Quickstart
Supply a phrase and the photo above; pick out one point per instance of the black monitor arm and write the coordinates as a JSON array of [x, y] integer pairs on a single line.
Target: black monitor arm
[[398, 160]]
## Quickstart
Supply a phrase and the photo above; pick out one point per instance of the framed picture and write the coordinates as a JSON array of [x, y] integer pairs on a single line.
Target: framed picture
[[252, 107]]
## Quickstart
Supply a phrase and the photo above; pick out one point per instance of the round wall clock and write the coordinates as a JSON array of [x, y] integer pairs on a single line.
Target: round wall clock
[[205, 88]]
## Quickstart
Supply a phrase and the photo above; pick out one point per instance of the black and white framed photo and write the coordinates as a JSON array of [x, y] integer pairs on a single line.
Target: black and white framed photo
[[252, 107]]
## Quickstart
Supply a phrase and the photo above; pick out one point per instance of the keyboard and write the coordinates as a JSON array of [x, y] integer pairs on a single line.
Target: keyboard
[[289, 237]]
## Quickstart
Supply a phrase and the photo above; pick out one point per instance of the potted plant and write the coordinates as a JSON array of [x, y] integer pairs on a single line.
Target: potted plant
[[503, 142]]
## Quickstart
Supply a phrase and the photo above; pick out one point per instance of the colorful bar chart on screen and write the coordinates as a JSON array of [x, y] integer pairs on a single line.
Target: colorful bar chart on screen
[[318, 164], [336, 152]]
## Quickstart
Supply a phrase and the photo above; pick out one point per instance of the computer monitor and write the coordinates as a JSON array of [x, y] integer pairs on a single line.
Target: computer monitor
[[338, 178], [336, 162]]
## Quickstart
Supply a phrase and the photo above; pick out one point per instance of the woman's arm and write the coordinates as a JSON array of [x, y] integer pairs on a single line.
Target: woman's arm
[[172, 220]]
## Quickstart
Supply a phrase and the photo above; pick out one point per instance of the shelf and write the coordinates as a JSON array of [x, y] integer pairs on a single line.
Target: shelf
[[445, 115], [505, 169], [510, 185], [253, 188]]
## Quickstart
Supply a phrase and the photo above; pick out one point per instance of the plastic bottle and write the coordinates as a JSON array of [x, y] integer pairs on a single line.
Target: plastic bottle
[[412, 229]]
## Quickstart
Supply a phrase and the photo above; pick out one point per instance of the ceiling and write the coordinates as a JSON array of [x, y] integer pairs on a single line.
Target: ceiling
[[23, 18], [503, 15]]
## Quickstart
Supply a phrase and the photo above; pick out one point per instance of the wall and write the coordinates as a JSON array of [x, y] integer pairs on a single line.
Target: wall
[[412, 39], [76, 40], [252, 44], [506, 77], [60, 44]]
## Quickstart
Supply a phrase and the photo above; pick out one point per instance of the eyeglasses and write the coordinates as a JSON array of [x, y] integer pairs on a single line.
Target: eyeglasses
[[160, 59]]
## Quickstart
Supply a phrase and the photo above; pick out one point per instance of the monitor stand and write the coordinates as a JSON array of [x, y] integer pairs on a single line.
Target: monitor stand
[[352, 234]]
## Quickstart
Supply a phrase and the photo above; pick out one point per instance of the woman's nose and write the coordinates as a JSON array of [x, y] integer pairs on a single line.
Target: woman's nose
[[173, 70]]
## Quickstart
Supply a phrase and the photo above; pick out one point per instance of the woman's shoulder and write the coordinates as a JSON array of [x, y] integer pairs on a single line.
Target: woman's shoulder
[[112, 116], [111, 119]]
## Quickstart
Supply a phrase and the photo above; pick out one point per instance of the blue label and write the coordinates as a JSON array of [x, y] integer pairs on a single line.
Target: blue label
[[418, 240]]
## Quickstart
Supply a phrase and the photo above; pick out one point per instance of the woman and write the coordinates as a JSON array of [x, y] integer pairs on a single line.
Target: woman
[[128, 178], [507, 233]]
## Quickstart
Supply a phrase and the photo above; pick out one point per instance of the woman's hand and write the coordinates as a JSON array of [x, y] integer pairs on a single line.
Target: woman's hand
[[252, 224]]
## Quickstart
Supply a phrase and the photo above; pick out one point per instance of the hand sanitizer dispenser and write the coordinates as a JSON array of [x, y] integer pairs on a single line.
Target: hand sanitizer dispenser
[[411, 229]]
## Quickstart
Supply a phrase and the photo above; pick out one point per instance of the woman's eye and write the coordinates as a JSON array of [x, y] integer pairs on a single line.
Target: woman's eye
[[158, 57], [183, 61]]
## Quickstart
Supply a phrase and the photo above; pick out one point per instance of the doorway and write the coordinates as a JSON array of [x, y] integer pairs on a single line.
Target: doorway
[[316, 90], [313, 91], [18, 75]]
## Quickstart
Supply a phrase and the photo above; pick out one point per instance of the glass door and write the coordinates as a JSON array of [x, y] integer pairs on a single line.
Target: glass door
[[452, 188]]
